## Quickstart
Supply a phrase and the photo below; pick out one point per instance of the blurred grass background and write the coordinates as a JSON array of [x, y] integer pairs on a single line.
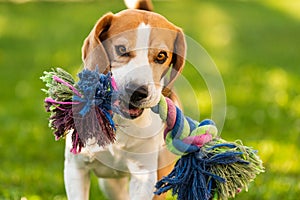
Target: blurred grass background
[[255, 44]]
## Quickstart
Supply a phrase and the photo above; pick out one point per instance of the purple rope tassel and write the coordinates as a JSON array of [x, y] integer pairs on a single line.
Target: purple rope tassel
[[84, 110]]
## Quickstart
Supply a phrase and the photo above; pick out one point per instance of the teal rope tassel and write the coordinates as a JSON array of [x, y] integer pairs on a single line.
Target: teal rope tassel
[[209, 167]]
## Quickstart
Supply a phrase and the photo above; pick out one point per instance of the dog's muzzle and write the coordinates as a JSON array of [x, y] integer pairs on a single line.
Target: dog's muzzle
[[131, 100], [137, 94]]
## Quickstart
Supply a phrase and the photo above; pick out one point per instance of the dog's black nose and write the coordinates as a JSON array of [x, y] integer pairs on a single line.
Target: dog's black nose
[[137, 93]]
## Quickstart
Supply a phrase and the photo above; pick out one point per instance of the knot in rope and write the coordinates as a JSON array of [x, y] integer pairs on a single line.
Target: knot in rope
[[182, 134]]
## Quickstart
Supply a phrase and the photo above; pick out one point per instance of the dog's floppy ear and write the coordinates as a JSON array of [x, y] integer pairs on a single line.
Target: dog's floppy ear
[[93, 52], [177, 63]]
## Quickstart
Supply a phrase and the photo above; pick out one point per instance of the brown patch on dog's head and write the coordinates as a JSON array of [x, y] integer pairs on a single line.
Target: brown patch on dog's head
[[93, 52], [97, 52]]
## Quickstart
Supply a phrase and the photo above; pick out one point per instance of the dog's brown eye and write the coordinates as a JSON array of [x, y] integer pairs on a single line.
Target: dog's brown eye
[[121, 50], [161, 57]]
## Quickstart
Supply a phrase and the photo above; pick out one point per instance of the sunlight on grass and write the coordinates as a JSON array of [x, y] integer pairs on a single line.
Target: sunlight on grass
[[216, 33], [279, 157], [290, 7], [281, 161], [295, 106], [36, 197], [3, 24], [215, 26], [277, 85]]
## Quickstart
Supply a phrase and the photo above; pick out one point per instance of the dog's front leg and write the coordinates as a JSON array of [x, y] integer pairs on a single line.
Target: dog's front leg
[[142, 181], [142, 185], [76, 177]]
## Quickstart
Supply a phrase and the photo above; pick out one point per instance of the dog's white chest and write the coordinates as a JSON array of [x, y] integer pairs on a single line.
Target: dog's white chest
[[137, 145], [134, 132]]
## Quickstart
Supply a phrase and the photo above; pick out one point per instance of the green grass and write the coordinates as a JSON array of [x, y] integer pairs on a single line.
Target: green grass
[[255, 45]]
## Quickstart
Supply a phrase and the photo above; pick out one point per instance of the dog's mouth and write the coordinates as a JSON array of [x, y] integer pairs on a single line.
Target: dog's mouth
[[128, 110]]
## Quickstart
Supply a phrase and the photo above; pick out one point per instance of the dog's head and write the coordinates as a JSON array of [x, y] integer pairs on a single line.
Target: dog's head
[[139, 48]]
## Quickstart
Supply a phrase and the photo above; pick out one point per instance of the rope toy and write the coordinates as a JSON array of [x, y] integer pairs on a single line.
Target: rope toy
[[209, 167], [82, 109]]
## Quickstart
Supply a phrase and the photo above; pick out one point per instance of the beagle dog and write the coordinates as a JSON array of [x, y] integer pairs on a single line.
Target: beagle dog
[[145, 53]]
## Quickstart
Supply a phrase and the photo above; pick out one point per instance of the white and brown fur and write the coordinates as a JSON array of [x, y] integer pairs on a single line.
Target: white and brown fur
[[129, 168]]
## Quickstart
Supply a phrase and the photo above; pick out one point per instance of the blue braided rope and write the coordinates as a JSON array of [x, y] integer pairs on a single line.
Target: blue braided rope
[[178, 127]]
